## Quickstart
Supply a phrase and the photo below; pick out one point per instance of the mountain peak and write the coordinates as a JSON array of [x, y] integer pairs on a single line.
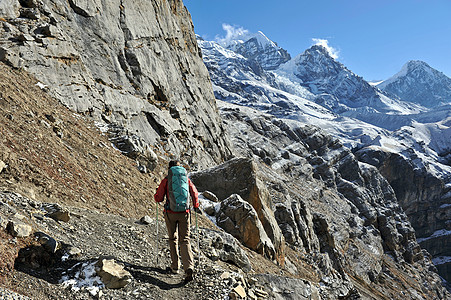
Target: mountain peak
[[420, 83], [319, 49], [260, 48], [416, 64]]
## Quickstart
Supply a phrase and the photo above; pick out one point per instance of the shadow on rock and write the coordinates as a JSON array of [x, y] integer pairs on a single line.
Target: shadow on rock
[[145, 274]]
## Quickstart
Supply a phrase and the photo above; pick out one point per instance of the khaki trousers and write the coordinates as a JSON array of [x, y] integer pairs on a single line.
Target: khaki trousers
[[181, 222]]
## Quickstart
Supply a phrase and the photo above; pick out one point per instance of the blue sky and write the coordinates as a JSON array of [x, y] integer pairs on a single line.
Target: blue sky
[[374, 39]]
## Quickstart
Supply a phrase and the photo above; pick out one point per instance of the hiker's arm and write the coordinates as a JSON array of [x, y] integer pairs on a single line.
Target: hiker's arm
[[194, 194], [161, 191]]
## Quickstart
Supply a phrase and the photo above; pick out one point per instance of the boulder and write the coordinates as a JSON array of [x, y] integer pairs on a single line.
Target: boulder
[[239, 176], [47, 242], [112, 274], [240, 219], [2, 166]]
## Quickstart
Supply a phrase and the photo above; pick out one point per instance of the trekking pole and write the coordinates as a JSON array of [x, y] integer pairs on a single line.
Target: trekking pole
[[197, 231], [158, 240]]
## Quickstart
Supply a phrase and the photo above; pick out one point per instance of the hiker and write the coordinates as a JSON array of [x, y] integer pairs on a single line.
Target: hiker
[[177, 187]]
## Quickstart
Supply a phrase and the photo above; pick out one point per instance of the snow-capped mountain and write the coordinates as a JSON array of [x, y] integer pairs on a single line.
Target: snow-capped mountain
[[406, 140], [261, 49], [339, 89], [419, 83]]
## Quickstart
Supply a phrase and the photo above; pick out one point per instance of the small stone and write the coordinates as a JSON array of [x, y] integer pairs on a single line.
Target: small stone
[[60, 215], [146, 220], [214, 254], [47, 242], [210, 210], [252, 281], [73, 251], [18, 229], [25, 37], [225, 275], [30, 13], [19, 217], [2, 166], [240, 291], [260, 293], [251, 295]]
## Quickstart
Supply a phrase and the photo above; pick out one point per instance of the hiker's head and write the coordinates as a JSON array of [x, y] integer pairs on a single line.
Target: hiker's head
[[173, 163]]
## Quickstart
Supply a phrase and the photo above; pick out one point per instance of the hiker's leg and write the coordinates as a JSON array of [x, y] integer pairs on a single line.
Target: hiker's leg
[[184, 240], [171, 225]]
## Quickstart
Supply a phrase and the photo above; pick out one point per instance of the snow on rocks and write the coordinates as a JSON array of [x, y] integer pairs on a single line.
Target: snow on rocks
[[84, 277]]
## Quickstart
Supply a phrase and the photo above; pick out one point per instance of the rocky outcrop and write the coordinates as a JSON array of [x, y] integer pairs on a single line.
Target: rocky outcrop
[[132, 65], [240, 219], [239, 176]]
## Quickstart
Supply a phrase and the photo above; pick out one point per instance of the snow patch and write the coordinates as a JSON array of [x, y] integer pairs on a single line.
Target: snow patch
[[436, 234], [440, 260], [85, 278], [41, 85]]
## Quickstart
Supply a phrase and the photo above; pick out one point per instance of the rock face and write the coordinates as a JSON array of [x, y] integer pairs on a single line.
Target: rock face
[[239, 176], [423, 196], [240, 219], [342, 213], [133, 66]]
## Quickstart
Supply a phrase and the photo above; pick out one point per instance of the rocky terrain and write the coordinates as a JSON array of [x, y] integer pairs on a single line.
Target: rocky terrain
[[407, 142], [90, 117]]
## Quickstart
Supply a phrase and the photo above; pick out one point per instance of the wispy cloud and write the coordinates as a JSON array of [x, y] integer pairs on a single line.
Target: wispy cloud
[[233, 32], [325, 43]]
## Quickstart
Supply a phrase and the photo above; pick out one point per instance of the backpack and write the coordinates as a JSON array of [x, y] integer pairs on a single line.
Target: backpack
[[178, 192]]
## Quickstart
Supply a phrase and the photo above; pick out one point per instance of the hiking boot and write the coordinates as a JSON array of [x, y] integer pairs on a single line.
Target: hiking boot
[[171, 270], [189, 275]]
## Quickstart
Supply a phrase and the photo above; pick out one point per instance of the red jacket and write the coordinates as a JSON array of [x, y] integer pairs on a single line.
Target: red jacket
[[163, 190]]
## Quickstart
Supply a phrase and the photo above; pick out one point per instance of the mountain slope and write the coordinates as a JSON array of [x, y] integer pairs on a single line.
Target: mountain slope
[[393, 135], [419, 83]]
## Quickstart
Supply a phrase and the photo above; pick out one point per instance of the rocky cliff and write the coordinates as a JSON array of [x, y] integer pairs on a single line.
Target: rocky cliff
[[342, 215], [134, 66]]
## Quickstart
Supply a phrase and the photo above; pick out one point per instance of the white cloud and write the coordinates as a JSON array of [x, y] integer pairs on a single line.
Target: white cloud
[[325, 43], [233, 33]]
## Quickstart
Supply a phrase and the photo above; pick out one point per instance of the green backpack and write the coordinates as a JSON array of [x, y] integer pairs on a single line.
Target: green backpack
[[178, 199]]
